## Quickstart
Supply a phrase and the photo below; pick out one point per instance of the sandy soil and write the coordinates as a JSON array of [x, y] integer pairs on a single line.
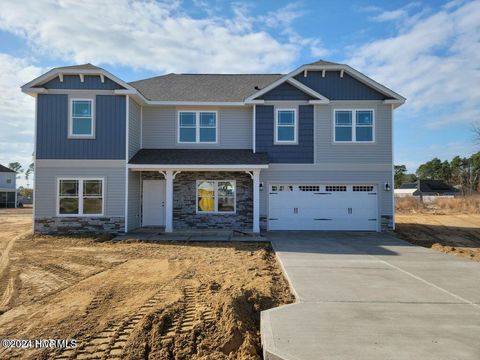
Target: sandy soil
[[134, 300], [455, 234]]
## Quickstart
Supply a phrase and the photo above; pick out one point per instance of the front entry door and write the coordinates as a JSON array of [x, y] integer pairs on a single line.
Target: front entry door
[[153, 206]]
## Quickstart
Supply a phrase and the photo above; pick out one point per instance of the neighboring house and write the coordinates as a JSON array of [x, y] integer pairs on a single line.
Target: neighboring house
[[8, 188], [310, 150], [428, 188]]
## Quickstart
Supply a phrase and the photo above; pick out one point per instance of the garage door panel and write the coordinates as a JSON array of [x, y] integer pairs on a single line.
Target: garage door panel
[[323, 207]]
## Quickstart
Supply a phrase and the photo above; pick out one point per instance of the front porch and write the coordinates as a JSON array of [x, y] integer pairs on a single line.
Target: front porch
[[159, 234], [184, 196]]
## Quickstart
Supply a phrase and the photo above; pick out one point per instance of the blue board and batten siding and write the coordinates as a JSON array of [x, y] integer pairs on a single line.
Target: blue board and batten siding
[[334, 87], [90, 82], [302, 153], [286, 91], [52, 129]]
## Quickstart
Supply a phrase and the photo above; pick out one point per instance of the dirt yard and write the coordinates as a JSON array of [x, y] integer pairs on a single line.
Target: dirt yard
[[455, 234], [134, 300]]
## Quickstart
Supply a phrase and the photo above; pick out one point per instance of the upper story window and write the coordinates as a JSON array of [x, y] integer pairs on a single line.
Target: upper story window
[[197, 127], [355, 126], [9, 181], [81, 118], [286, 126], [80, 197]]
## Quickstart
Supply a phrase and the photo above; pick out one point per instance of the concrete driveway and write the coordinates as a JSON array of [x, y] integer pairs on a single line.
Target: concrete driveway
[[372, 296]]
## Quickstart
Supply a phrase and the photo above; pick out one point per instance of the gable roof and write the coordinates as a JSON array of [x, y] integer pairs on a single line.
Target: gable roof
[[211, 89], [203, 87], [5, 169], [86, 66]]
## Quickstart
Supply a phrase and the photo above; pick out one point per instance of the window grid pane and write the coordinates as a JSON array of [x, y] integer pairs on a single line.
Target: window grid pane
[[82, 108], [286, 133], [343, 118], [208, 119]]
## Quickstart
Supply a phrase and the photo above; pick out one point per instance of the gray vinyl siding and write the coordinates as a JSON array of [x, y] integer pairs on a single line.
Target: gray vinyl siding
[[134, 128], [160, 128], [335, 87], [379, 152], [52, 129], [286, 91], [90, 82], [291, 154], [334, 177], [134, 200], [46, 187], [4, 176]]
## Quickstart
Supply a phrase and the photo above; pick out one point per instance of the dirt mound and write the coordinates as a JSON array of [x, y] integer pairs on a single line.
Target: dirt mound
[[135, 300]]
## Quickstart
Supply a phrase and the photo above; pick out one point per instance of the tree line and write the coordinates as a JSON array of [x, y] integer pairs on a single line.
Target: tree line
[[463, 173]]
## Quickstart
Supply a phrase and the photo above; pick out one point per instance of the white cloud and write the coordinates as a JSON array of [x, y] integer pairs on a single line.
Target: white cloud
[[17, 110], [390, 15], [433, 61], [156, 36]]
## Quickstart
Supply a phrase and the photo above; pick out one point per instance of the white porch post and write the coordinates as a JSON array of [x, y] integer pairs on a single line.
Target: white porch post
[[169, 200], [255, 175]]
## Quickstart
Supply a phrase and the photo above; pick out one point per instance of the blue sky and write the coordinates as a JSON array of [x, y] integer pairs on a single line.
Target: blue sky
[[428, 51]]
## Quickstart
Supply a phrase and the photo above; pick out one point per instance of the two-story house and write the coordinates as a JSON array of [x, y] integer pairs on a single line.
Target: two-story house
[[8, 188], [309, 150]]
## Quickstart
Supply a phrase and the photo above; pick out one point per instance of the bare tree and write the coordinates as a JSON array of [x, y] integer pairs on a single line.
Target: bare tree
[[476, 132]]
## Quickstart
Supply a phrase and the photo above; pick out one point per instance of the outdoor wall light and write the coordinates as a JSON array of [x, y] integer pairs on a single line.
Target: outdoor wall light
[[261, 186], [387, 186]]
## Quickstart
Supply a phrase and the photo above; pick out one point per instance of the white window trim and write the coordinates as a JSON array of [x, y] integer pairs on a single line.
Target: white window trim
[[71, 135], [215, 197], [197, 127], [80, 196], [354, 127], [295, 136]]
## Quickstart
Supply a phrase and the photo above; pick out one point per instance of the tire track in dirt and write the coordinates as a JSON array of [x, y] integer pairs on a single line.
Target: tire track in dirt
[[110, 343], [5, 258], [7, 294], [195, 309]]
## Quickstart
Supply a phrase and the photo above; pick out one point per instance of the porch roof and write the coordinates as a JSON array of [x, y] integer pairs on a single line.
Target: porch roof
[[199, 157]]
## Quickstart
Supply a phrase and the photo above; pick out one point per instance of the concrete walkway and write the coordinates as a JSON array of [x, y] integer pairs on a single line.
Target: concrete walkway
[[372, 296]]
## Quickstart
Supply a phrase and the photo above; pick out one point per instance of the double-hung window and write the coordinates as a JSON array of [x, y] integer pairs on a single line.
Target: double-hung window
[[81, 118], [80, 197], [286, 126], [354, 126], [197, 127], [216, 196]]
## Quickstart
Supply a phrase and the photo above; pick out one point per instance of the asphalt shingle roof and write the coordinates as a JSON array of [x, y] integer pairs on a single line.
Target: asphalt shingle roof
[[323, 62], [199, 157], [203, 87], [86, 66], [5, 169], [429, 186]]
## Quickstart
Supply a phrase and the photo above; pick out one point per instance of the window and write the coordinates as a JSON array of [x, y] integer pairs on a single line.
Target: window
[[286, 126], [9, 181], [362, 188], [197, 127], [348, 131], [77, 197], [332, 188], [81, 118], [309, 187], [216, 196]]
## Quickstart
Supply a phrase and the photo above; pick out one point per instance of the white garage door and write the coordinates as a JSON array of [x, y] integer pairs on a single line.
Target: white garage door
[[323, 207]]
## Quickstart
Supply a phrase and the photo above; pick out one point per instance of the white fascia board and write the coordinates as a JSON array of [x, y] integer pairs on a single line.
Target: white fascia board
[[349, 70], [368, 81], [196, 103], [275, 84], [255, 102], [307, 90], [27, 88], [193, 167]]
